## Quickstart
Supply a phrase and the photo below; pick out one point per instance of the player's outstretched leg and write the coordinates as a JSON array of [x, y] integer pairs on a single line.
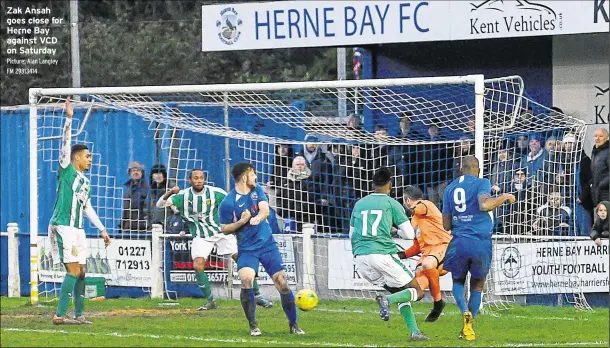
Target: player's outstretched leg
[[67, 288], [403, 296], [384, 307], [79, 298], [204, 284], [288, 303]]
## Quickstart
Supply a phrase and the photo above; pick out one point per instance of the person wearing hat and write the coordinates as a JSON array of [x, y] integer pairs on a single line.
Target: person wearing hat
[[159, 184], [135, 211]]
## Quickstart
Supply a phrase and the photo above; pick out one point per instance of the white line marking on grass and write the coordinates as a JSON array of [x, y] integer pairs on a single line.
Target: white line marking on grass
[[559, 344], [178, 337], [507, 315], [549, 318], [283, 343]]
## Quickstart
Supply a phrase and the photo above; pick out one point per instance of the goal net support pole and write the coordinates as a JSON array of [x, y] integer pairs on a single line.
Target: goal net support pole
[[14, 279], [33, 133]]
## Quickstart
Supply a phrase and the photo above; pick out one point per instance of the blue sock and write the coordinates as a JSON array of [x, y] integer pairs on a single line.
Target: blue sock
[[458, 293], [289, 307], [248, 303], [474, 302]]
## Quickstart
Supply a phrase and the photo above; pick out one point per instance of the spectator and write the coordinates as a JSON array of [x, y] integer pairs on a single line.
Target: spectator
[[463, 149], [517, 218], [521, 146], [135, 211], [320, 164], [552, 144], [357, 172], [354, 122], [434, 133], [435, 164], [600, 164], [470, 126], [584, 204], [284, 153], [406, 128], [502, 171], [600, 227], [553, 217], [407, 158], [534, 161], [343, 185], [553, 171], [379, 153], [159, 184], [295, 199]]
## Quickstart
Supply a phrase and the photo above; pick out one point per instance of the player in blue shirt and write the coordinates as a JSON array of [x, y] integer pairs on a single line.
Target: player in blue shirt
[[244, 212], [467, 212]]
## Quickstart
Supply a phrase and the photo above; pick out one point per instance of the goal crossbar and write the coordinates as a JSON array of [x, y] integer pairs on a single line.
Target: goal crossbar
[[468, 79]]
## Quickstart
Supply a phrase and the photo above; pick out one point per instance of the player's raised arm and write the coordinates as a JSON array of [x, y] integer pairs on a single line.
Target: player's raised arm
[[487, 203], [64, 156], [95, 220], [165, 200]]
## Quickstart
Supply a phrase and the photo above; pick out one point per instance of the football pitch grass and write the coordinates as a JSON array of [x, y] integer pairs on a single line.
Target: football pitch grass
[[145, 322]]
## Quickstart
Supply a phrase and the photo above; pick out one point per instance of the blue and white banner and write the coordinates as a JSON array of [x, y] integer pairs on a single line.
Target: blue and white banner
[[550, 268], [285, 24]]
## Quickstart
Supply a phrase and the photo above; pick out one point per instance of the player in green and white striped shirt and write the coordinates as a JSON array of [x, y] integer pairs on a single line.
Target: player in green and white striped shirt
[[198, 206], [66, 227], [376, 253]]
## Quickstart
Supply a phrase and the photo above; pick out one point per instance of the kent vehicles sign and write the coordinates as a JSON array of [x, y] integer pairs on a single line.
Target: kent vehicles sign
[[284, 24]]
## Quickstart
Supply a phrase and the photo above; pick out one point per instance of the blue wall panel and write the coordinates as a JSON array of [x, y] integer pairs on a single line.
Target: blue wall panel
[[115, 138]]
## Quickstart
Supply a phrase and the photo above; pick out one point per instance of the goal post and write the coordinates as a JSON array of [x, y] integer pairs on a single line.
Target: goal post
[[215, 126], [33, 173]]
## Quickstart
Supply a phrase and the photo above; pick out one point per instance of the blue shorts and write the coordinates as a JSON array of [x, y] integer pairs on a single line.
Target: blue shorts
[[468, 255], [270, 259]]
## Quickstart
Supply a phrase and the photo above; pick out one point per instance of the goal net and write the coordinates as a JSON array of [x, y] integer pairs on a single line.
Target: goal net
[[315, 146]]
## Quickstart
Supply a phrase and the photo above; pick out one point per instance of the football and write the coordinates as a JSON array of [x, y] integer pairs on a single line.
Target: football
[[306, 299]]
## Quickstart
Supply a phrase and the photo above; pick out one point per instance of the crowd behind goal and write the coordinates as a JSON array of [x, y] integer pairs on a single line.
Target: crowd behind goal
[[319, 182]]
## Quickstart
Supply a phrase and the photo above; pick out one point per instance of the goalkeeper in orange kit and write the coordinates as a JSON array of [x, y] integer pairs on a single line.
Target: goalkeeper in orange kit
[[431, 241]]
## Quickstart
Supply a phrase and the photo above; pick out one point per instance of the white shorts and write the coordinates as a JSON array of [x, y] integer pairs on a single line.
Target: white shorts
[[225, 245], [69, 244], [383, 270]]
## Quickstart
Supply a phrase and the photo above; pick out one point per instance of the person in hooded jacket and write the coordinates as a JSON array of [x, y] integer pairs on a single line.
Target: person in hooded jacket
[[159, 184]]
